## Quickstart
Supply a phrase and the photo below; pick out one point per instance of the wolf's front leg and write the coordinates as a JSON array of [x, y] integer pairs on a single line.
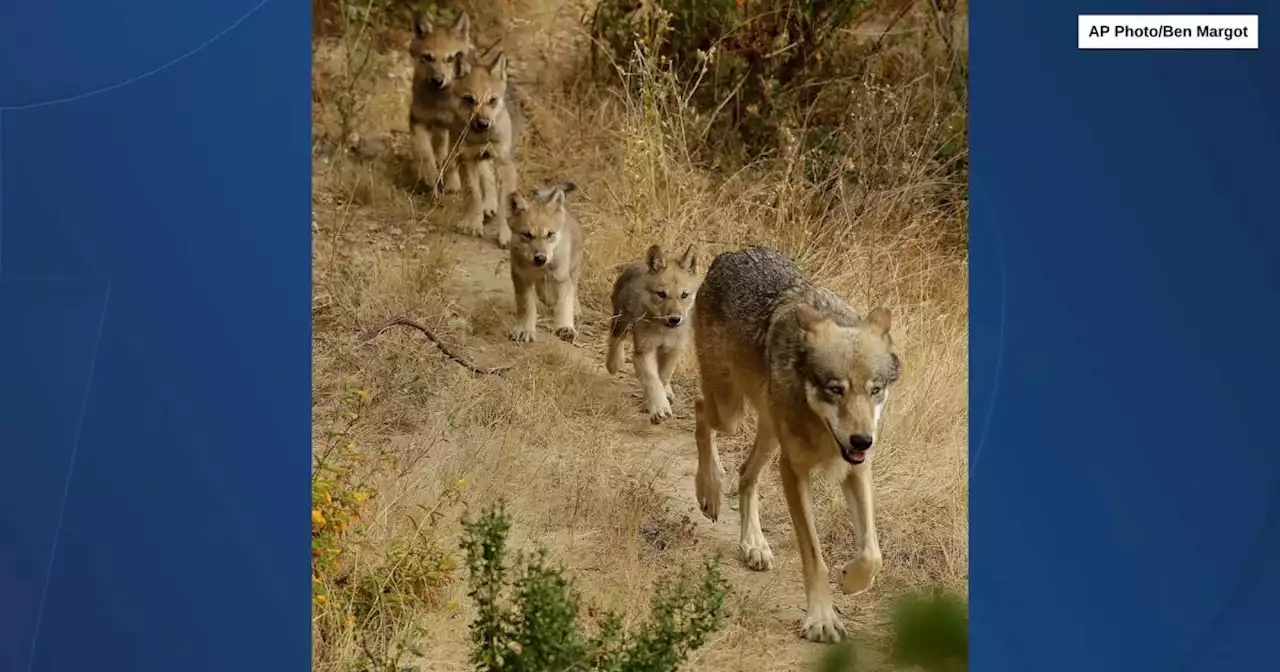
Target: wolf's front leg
[[425, 163], [821, 624], [525, 330], [566, 300], [859, 573], [655, 397], [448, 161], [472, 214], [505, 172], [489, 185]]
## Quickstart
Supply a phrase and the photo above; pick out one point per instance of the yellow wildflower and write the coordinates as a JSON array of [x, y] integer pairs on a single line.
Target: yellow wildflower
[[317, 518], [360, 497]]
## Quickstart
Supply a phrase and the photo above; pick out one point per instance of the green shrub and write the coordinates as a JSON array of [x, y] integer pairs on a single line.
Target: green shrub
[[528, 616], [929, 631]]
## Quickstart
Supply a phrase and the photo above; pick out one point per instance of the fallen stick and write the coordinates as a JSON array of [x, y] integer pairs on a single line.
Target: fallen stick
[[406, 322]]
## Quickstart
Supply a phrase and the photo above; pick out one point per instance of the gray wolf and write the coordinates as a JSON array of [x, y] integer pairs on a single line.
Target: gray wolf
[[488, 121], [436, 53], [546, 259], [818, 376], [651, 301]]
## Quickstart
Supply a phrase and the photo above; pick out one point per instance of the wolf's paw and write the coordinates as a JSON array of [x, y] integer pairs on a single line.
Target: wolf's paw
[[709, 487], [822, 625], [451, 184], [473, 224], [858, 574], [566, 334], [659, 409], [671, 394], [523, 334], [504, 236], [756, 553], [428, 182]]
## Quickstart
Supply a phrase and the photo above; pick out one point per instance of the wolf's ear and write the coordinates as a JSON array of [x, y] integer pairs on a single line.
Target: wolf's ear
[[518, 203], [689, 261], [420, 26], [653, 259], [881, 319], [556, 200], [462, 27], [808, 317], [499, 67]]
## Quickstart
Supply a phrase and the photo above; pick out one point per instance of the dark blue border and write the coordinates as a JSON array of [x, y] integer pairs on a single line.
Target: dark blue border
[[1124, 239], [155, 338]]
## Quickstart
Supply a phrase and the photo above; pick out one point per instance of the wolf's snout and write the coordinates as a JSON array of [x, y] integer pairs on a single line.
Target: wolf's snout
[[437, 81], [539, 259], [860, 442], [674, 320], [480, 124]]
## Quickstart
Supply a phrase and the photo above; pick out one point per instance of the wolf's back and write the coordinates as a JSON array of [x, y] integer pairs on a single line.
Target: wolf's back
[[743, 288]]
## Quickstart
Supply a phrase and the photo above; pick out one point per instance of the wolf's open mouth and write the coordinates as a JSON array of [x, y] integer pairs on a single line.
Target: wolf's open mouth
[[854, 456]]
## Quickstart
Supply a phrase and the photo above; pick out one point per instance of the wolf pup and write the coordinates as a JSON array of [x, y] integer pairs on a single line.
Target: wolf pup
[[487, 118], [817, 376], [652, 299], [436, 53], [546, 258]]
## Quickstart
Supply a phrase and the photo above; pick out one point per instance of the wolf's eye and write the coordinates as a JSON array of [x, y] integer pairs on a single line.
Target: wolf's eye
[[527, 235], [876, 390], [428, 58], [469, 99], [450, 57], [684, 295], [836, 390], [551, 234], [661, 294]]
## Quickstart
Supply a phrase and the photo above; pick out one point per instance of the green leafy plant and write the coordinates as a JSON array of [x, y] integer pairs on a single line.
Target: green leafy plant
[[929, 631], [528, 617]]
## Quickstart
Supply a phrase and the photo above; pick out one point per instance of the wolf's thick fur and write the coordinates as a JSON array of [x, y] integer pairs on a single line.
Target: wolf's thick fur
[[436, 53], [651, 300], [488, 121], [817, 376], [546, 258]]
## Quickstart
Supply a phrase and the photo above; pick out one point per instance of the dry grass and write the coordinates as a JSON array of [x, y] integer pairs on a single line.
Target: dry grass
[[566, 446]]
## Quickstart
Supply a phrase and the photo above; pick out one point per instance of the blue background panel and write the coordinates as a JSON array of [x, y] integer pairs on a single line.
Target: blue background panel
[[155, 214], [1123, 319]]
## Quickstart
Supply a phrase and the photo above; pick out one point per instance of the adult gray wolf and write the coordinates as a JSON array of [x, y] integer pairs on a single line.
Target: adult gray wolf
[[818, 376], [488, 120], [436, 53], [546, 259], [651, 300]]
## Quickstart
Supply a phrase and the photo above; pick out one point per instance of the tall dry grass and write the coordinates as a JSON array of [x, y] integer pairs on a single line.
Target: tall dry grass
[[878, 214]]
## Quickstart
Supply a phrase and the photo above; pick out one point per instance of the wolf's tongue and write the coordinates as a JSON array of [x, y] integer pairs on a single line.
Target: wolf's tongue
[[857, 456]]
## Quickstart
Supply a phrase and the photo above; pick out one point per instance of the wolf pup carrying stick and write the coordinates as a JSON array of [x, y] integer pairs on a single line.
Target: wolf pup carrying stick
[[436, 53], [489, 122], [652, 299], [817, 376], [546, 257]]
